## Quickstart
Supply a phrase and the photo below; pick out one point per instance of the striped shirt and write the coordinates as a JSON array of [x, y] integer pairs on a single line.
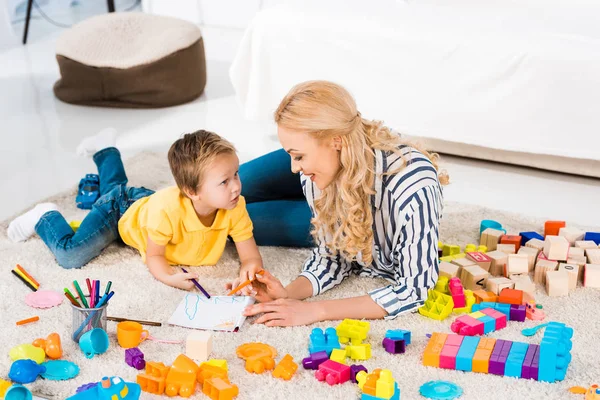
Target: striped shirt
[[406, 209]]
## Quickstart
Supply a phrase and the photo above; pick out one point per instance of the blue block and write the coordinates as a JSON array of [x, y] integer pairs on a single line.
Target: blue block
[[489, 324], [514, 362], [395, 396], [527, 236], [554, 352], [504, 309], [399, 334], [320, 341], [594, 236], [464, 357]]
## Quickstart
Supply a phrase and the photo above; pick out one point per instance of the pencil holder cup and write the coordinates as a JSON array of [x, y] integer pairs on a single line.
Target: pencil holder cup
[[86, 319]]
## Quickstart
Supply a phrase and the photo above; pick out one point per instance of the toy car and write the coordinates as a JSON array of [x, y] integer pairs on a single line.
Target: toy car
[[88, 192]]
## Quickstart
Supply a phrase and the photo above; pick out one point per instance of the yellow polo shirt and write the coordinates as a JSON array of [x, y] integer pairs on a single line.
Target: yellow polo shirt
[[168, 218]]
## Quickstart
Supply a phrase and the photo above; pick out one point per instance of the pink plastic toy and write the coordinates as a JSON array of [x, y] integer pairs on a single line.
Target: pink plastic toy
[[457, 292], [43, 299], [333, 372]]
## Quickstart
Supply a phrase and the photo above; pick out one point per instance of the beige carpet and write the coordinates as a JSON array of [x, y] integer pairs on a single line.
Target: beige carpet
[[138, 295]]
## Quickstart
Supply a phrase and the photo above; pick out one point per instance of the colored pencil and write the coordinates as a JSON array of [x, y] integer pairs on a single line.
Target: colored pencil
[[108, 285], [97, 291], [28, 320], [71, 299], [93, 295], [26, 278], [81, 296], [198, 285], [243, 285], [24, 281], [36, 283], [89, 285], [150, 323], [68, 293]]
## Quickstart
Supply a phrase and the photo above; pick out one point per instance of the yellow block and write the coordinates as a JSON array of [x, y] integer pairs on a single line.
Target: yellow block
[[338, 355], [218, 363], [477, 314], [385, 384]]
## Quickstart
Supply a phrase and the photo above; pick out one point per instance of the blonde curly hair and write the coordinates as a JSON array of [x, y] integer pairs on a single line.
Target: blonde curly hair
[[343, 211]]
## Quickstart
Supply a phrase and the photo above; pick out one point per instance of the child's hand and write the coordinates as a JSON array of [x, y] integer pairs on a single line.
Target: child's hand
[[182, 280], [247, 273], [268, 288]]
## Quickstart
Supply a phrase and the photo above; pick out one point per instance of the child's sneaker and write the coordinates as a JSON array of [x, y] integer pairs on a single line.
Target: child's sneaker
[[88, 192]]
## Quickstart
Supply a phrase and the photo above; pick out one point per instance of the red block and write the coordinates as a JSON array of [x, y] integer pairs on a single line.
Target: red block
[[511, 239], [553, 227]]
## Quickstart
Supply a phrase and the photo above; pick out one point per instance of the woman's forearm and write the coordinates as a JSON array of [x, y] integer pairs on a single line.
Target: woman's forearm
[[352, 307], [299, 289]]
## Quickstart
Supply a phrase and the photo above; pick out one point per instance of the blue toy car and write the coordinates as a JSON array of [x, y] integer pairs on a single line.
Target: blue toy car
[[88, 192]]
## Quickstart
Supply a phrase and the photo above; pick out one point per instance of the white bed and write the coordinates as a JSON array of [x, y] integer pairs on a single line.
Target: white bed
[[512, 81]]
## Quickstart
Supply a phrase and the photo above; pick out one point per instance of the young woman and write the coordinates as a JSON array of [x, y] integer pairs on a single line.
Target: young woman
[[375, 204]]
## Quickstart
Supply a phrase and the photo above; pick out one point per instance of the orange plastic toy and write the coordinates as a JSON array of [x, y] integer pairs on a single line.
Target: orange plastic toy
[[181, 378], [51, 345], [286, 368], [483, 296], [511, 296], [219, 389], [207, 371], [153, 381], [259, 356]]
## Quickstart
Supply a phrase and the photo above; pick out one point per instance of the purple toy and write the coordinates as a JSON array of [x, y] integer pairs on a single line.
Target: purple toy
[[25, 371], [86, 386], [518, 312], [355, 369], [314, 360], [135, 358], [497, 363], [394, 346]]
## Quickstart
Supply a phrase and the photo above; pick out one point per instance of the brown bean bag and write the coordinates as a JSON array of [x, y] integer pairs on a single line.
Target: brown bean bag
[[131, 60]]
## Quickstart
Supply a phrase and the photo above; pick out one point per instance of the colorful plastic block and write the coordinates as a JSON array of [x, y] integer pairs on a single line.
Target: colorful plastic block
[[437, 306], [181, 378], [489, 324], [450, 250], [442, 285], [135, 358], [338, 355], [314, 360], [484, 296], [394, 346], [333, 372], [457, 293], [518, 312], [395, 396], [208, 370], [511, 296], [464, 357], [398, 334], [431, 355], [499, 356], [367, 382], [481, 358], [323, 341], [219, 389], [515, 360], [385, 385], [352, 330], [497, 316], [469, 300], [355, 369], [527, 371], [467, 325], [259, 356], [153, 381], [450, 351], [359, 351], [286, 368], [554, 352]]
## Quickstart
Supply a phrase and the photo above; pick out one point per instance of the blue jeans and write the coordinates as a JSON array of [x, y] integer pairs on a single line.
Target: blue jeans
[[101, 226], [275, 201]]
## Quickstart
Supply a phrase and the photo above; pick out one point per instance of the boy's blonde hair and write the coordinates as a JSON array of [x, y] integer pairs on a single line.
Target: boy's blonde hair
[[190, 156], [343, 211]]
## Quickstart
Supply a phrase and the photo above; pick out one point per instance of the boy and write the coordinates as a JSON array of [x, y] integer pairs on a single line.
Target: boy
[[186, 224]]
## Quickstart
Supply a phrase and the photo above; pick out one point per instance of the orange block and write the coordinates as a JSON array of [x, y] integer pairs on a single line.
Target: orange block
[[370, 386], [181, 378], [431, 355], [481, 359], [219, 389], [259, 356], [481, 295], [153, 381], [208, 371], [511, 239], [286, 368], [553, 227], [511, 296]]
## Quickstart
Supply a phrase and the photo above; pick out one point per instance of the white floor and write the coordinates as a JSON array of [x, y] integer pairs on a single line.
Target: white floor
[[40, 134]]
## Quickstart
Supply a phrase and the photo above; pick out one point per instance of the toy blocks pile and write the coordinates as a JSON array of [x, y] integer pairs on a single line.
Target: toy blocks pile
[[488, 317], [448, 296], [395, 341], [547, 361], [378, 385]]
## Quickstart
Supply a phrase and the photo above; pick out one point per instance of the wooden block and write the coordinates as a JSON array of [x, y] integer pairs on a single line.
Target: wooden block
[[463, 262], [531, 254], [576, 252], [481, 259], [499, 260], [571, 234], [507, 248], [536, 244], [496, 285], [490, 238], [198, 345], [474, 277], [525, 284], [449, 270], [586, 244], [556, 248], [593, 256], [511, 239], [516, 264], [557, 283], [541, 267], [551, 228], [592, 276], [573, 271]]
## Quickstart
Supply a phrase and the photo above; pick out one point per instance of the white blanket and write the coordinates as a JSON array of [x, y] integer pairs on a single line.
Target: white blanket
[[516, 76]]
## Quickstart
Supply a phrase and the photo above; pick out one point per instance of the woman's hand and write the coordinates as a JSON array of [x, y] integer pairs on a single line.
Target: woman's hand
[[247, 273], [264, 288], [286, 312]]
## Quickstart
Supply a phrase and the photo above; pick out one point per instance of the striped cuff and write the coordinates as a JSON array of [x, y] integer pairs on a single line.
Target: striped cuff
[[387, 299], [313, 281]]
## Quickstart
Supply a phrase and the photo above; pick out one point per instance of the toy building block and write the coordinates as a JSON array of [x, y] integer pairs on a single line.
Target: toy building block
[[320, 341], [481, 259], [518, 312], [431, 355], [593, 256], [367, 382], [338, 355], [463, 262], [510, 296], [467, 325], [541, 267], [571, 234], [528, 371], [499, 356], [448, 270], [511, 239], [442, 285], [531, 254], [259, 356], [314, 360], [495, 285], [474, 277], [484, 296], [554, 352], [394, 346], [398, 334], [551, 228], [524, 283], [527, 236], [359, 352], [450, 250], [286, 368], [576, 252], [507, 248], [498, 317], [333, 373], [517, 264], [490, 238], [385, 385], [593, 236], [219, 389], [208, 370], [355, 369], [537, 244], [352, 330], [457, 293], [437, 306], [591, 277], [181, 378], [573, 271], [498, 261], [469, 301], [153, 380], [135, 358], [556, 248], [481, 358], [198, 345], [464, 357], [515, 359], [473, 248], [586, 244]]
